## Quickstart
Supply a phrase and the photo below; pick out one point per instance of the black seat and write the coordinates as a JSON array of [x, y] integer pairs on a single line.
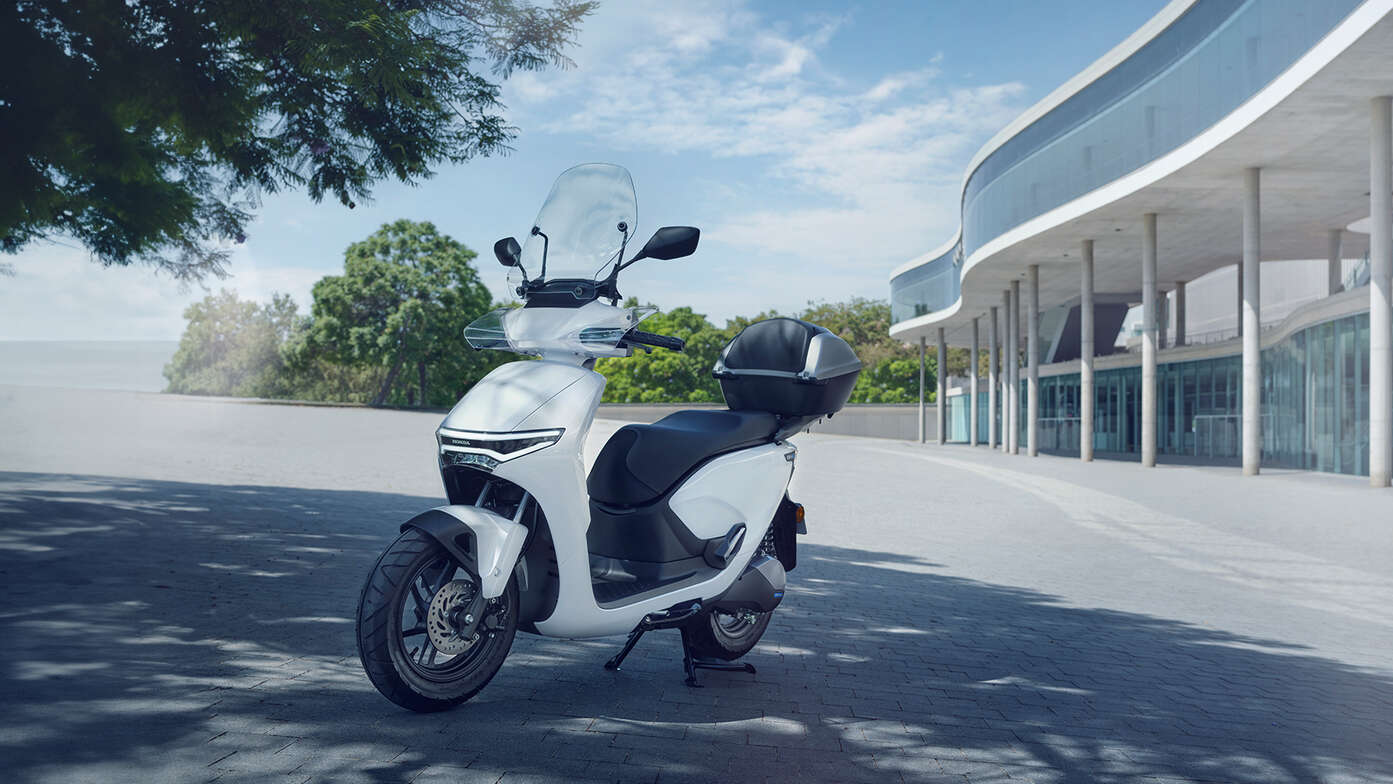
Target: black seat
[[641, 462]]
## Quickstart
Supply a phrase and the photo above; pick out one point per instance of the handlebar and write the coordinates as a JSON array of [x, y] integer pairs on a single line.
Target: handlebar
[[650, 339]]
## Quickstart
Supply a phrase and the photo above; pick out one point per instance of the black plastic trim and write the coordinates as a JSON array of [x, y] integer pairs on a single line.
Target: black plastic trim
[[718, 551], [456, 537], [562, 293], [759, 588], [785, 530], [650, 533]]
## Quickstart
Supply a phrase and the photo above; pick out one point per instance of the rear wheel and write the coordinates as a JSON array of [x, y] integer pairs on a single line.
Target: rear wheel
[[726, 635], [419, 643]]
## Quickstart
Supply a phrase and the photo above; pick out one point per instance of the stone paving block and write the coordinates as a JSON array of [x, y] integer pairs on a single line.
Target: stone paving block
[[1002, 638], [452, 774]]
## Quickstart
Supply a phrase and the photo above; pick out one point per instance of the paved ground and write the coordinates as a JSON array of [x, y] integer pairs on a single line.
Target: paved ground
[[179, 580]]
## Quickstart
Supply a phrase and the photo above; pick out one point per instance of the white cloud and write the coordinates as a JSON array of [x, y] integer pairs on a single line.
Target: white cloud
[[880, 163], [59, 293], [526, 87]]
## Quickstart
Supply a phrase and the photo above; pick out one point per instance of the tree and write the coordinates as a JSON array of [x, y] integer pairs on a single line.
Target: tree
[[889, 368], [894, 381], [864, 323], [232, 346], [667, 376], [146, 128], [404, 299]]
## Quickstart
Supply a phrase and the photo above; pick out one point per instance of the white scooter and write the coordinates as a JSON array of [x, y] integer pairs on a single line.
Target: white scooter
[[685, 523]]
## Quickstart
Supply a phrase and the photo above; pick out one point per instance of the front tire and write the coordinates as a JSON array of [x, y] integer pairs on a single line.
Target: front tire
[[403, 598]]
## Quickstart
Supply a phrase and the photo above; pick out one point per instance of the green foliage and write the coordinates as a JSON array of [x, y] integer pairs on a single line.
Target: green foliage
[[403, 302], [865, 324], [889, 368], [894, 381], [146, 128], [667, 376], [890, 371], [390, 331], [232, 347]]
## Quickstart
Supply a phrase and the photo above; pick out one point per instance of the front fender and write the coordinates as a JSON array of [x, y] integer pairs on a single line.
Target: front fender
[[484, 542]]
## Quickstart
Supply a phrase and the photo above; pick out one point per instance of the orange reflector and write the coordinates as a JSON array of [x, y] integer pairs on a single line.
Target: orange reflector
[[798, 513]]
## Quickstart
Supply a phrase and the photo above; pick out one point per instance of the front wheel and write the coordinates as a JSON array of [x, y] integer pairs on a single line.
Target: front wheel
[[413, 617]]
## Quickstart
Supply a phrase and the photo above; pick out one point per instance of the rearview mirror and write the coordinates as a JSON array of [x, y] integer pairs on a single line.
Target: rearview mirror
[[670, 242], [508, 251]]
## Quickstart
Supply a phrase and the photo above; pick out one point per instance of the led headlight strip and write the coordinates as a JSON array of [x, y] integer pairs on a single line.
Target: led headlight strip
[[499, 446]]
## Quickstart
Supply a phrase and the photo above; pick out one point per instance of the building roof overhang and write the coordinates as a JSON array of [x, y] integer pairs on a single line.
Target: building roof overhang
[[1308, 132]]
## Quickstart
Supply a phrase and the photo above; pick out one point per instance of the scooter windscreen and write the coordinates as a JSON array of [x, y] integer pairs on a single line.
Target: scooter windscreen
[[588, 217], [593, 330]]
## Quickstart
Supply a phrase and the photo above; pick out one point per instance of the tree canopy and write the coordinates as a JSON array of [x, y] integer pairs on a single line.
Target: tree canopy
[[232, 347], [664, 376], [401, 305], [146, 129], [405, 297]]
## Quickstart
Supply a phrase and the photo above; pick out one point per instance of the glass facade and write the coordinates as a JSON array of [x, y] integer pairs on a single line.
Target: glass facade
[[1315, 405], [1202, 67], [925, 288]]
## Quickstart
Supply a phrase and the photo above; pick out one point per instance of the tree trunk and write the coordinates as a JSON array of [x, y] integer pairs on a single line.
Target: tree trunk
[[381, 396], [421, 371]]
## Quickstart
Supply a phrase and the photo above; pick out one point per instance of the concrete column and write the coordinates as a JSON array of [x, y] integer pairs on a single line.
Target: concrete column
[[1239, 310], [923, 419], [1381, 293], [1334, 253], [1162, 312], [1086, 354], [993, 380], [1032, 360], [972, 361], [1148, 340], [942, 388], [1252, 322], [1014, 335], [1180, 313], [1005, 370]]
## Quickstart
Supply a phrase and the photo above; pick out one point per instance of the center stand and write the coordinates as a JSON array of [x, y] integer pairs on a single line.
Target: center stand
[[667, 619], [692, 663]]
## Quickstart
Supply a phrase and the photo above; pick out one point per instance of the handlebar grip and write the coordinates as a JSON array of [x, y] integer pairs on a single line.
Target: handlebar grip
[[661, 341]]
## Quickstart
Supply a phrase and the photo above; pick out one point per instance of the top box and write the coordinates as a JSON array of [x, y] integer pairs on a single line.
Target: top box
[[787, 367]]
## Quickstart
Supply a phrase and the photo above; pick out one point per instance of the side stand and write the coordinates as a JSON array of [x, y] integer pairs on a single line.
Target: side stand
[[691, 663], [618, 658], [666, 619]]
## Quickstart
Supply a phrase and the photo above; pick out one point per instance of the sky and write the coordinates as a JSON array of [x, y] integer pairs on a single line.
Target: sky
[[818, 145]]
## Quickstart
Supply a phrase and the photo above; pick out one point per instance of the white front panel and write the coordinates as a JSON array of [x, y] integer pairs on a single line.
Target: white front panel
[[500, 401], [743, 487]]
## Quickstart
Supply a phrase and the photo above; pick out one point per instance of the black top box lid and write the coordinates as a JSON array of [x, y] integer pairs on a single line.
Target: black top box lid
[[789, 348]]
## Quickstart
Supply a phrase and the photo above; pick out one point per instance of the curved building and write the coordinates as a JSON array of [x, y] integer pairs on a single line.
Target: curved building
[[1222, 135]]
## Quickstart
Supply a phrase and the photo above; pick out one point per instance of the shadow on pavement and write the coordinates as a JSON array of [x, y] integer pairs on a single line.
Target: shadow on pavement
[[174, 631]]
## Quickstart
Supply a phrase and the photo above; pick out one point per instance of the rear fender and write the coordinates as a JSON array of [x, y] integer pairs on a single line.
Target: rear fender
[[785, 528], [486, 543]]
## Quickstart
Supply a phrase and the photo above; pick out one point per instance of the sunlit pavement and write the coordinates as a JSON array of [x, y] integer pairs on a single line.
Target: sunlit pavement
[[180, 577]]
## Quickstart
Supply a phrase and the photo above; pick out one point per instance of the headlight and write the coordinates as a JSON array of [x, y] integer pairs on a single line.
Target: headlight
[[498, 447]]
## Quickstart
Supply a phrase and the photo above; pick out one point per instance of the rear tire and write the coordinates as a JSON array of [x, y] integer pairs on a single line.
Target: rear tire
[[726, 636], [394, 644]]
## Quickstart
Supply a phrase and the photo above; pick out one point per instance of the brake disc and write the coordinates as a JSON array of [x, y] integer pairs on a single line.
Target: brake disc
[[441, 624]]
